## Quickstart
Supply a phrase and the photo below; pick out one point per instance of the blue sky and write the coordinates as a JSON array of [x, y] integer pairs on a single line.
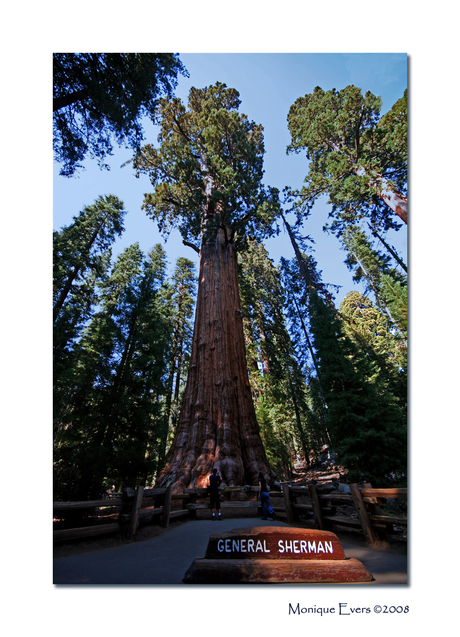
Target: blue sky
[[268, 84], [33, 32]]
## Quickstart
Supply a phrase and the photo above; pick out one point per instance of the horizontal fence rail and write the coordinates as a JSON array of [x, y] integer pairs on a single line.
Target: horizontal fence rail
[[363, 504], [122, 513]]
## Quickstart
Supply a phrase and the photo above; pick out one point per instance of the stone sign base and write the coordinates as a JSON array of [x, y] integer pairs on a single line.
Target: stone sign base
[[277, 555]]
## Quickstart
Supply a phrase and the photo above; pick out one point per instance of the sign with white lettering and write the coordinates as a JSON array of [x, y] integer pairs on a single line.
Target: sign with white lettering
[[275, 554], [275, 542]]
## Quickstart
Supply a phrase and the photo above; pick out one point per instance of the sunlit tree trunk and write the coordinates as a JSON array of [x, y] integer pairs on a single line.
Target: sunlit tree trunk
[[393, 199], [217, 426], [207, 175]]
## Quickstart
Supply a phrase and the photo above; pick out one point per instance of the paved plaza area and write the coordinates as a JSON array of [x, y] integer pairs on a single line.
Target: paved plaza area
[[163, 560]]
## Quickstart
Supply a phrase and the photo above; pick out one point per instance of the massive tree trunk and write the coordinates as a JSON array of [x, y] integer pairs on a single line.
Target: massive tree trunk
[[217, 426]]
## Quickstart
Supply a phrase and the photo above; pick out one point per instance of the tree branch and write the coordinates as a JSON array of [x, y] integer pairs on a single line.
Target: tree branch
[[66, 100], [191, 245], [358, 127], [181, 130]]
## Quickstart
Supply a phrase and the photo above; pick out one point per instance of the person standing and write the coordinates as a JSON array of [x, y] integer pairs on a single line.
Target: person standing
[[265, 498], [214, 482]]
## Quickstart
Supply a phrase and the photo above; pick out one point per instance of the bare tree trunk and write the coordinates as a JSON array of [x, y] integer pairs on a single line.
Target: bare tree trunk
[[391, 250], [217, 425]]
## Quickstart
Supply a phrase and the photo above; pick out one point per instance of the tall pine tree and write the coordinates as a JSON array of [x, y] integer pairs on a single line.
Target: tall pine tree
[[364, 422], [180, 299], [113, 428], [276, 380]]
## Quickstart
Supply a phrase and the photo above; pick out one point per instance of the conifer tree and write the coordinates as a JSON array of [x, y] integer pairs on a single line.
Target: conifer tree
[[365, 423], [370, 329], [207, 178], [84, 249], [296, 310], [101, 97], [359, 160], [81, 261], [113, 428], [356, 411], [180, 300], [277, 383]]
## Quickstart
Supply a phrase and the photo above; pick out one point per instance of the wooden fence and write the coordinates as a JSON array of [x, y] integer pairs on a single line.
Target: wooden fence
[[361, 508], [123, 512], [119, 513]]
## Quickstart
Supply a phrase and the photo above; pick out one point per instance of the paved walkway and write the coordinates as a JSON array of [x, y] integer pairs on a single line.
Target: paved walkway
[[165, 559]]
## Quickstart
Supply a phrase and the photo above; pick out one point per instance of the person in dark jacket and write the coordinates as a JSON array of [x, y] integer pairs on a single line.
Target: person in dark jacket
[[265, 498], [214, 482]]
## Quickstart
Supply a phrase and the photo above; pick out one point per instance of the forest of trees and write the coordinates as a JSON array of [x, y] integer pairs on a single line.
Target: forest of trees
[[246, 365]]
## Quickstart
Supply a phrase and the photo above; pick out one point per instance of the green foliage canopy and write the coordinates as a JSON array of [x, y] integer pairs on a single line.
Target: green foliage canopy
[[354, 157], [108, 418], [81, 259], [366, 422], [98, 96], [208, 168], [277, 383]]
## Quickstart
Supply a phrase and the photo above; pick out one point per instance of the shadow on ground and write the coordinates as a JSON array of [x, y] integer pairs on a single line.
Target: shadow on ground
[[164, 558]]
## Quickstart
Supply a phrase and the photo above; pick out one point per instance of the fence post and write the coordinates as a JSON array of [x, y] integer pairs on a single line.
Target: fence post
[[316, 506], [375, 508], [134, 519], [362, 514], [288, 503], [167, 507]]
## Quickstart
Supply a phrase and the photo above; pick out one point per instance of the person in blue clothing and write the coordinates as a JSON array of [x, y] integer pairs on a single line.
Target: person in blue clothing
[[214, 482], [265, 498]]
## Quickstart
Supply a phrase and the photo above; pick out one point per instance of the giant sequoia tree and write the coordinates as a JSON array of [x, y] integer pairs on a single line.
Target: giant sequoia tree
[[357, 158], [207, 174]]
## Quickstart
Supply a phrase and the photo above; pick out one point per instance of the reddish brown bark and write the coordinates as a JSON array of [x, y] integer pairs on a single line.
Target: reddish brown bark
[[217, 426], [393, 199]]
